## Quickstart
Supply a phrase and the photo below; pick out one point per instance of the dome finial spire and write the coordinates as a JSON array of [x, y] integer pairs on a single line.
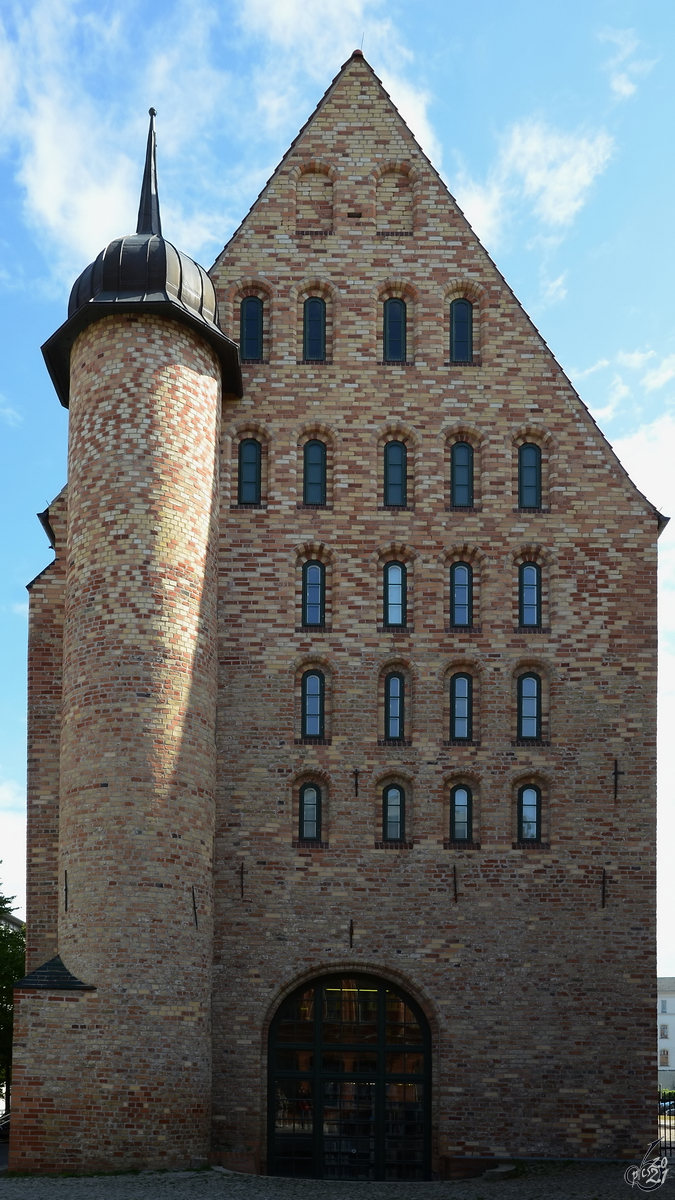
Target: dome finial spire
[[149, 220]]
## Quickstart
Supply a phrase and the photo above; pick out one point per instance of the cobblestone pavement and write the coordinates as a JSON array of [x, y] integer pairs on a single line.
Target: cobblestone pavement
[[536, 1181]]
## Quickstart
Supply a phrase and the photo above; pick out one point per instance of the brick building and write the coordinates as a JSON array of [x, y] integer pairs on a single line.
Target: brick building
[[342, 704]]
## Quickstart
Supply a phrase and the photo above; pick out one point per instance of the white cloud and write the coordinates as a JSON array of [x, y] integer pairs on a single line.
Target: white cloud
[[552, 169], [648, 455], [8, 414], [575, 373], [13, 843], [634, 359], [661, 375], [622, 72], [554, 290], [618, 390], [20, 610]]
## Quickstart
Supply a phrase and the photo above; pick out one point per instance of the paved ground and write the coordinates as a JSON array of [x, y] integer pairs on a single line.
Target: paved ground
[[536, 1182]]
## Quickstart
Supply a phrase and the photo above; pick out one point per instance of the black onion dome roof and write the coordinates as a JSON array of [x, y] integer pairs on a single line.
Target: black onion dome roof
[[142, 273]]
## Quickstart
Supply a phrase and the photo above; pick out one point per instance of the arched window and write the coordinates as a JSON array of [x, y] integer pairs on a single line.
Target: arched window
[[312, 704], [529, 594], [310, 813], [529, 476], [529, 707], [461, 331], [394, 349], [313, 593], [393, 813], [251, 329], [461, 594], [314, 473], [314, 329], [395, 594], [460, 814], [461, 707], [249, 471], [395, 475], [529, 814], [394, 707], [461, 475]]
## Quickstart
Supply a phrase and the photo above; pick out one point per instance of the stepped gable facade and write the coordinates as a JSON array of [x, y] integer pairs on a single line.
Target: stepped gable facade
[[342, 799]]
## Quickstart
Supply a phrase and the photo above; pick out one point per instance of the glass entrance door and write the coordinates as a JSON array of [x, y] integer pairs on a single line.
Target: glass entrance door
[[349, 1083]]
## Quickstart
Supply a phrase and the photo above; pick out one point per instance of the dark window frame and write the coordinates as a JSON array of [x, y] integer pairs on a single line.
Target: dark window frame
[[454, 485], [453, 605], [521, 678], [306, 338], [521, 793], [453, 707], [523, 488], [310, 672], [320, 624], [302, 835], [469, 816], [455, 308], [402, 832], [404, 595], [391, 305], [245, 336], [400, 736], [388, 468], [307, 484], [521, 595], [242, 484]]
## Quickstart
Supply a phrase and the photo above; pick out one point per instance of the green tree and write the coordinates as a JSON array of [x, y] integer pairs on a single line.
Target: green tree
[[12, 967]]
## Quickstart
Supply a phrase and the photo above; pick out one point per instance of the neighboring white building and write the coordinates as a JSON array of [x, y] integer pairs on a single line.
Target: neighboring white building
[[666, 1031]]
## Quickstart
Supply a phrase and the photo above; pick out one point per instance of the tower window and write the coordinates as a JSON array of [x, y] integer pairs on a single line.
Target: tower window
[[395, 475], [313, 593], [249, 471], [529, 476], [461, 707], [529, 707], [529, 594], [394, 334], [310, 813], [461, 594], [663, 1031], [664, 1006], [395, 580], [251, 329], [312, 704], [393, 813], [314, 473], [664, 1058], [529, 814], [314, 329], [460, 814], [461, 475], [394, 714], [461, 331]]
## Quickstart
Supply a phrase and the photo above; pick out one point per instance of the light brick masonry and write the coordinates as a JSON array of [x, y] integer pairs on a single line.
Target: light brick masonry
[[510, 950]]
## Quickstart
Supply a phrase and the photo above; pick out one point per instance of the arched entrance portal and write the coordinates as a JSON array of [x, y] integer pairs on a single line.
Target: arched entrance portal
[[349, 1082]]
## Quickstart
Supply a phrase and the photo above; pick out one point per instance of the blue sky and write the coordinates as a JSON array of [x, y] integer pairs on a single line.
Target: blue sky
[[551, 123]]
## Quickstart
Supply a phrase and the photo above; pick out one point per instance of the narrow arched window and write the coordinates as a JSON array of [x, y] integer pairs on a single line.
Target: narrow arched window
[[394, 707], [529, 707], [461, 708], [529, 594], [529, 814], [314, 329], [395, 475], [461, 475], [249, 471], [461, 594], [314, 473], [461, 331], [393, 813], [313, 593], [251, 329], [529, 476], [394, 349], [312, 704], [460, 814], [310, 813], [395, 600]]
